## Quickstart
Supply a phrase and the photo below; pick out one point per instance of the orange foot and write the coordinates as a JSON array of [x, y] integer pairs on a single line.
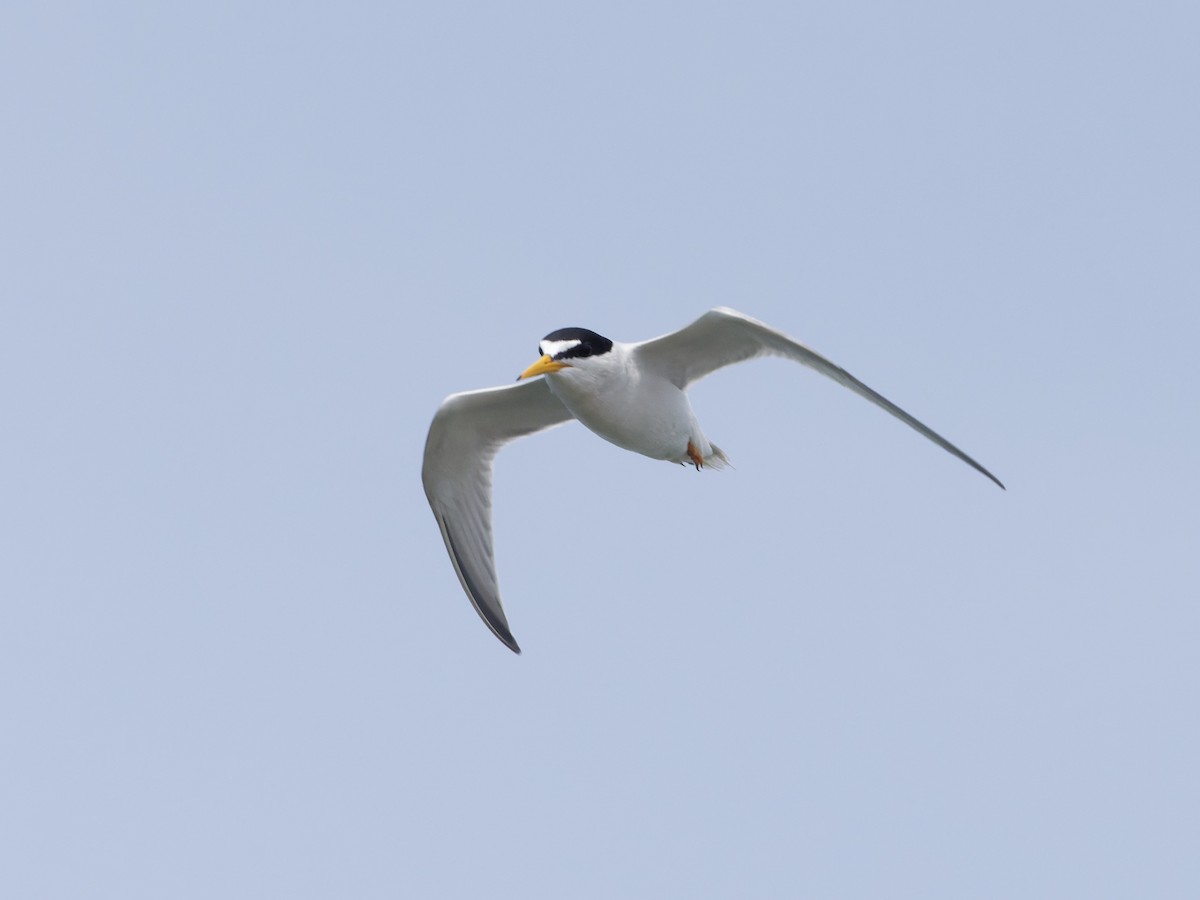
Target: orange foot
[[694, 456]]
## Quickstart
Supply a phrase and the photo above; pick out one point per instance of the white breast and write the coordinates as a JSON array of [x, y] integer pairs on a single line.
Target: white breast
[[643, 413]]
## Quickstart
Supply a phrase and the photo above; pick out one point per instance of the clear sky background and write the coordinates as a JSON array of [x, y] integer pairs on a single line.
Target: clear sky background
[[246, 250]]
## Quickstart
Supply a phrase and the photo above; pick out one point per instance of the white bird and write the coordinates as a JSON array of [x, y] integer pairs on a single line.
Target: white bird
[[633, 395]]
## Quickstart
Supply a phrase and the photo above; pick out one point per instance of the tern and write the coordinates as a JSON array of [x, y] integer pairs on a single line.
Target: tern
[[633, 395]]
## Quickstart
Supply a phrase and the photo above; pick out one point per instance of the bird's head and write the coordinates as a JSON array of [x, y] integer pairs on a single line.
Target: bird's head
[[567, 348]]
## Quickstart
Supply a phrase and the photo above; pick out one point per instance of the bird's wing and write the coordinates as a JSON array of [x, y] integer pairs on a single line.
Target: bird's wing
[[465, 435], [722, 337]]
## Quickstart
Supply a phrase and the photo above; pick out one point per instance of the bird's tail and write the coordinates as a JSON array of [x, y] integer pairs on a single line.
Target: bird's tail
[[717, 458]]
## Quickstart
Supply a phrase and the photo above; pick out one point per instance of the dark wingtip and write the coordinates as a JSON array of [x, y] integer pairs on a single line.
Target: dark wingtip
[[978, 468], [994, 478], [500, 629], [493, 618]]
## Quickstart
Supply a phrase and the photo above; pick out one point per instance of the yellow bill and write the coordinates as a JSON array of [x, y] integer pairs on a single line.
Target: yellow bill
[[541, 367]]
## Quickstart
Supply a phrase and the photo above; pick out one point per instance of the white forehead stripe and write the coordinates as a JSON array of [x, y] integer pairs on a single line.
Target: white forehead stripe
[[553, 348]]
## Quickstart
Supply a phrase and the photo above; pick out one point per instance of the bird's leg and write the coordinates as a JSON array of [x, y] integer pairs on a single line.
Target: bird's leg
[[694, 456]]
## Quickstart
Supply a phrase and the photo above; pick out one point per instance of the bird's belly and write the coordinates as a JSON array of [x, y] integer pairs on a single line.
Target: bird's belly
[[657, 421]]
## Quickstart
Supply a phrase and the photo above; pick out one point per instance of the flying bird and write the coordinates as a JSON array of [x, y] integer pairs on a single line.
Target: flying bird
[[633, 395]]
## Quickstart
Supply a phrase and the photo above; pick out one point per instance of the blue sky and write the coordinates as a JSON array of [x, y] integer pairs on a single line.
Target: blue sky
[[245, 251]]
